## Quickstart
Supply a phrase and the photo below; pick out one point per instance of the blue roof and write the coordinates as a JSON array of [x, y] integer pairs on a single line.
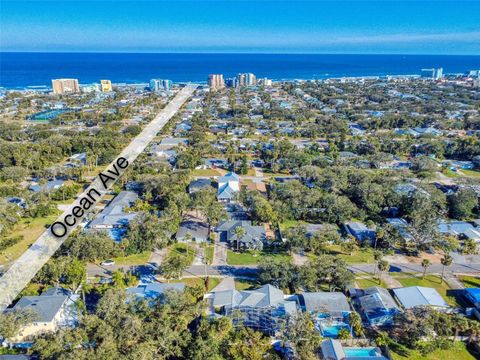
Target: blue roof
[[474, 293]]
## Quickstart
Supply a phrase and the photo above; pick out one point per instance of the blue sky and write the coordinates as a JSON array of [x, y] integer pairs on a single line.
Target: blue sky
[[405, 27]]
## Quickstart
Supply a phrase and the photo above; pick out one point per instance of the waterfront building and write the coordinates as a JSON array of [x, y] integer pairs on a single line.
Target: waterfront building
[[264, 81], [246, 79], [231, 82], [216, 82], [106, 85], [433, 73], [89, 88], [62, 86], [157, 85]]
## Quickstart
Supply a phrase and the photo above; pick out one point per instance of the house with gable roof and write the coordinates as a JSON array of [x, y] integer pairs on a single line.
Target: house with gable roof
[[228, 187], [263, 309]]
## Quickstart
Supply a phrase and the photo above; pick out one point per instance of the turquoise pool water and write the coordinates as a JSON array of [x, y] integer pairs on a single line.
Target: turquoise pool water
[[331, 330], [359, 352]]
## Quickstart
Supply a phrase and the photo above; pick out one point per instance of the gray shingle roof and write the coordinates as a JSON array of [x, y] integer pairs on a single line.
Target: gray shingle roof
[[114, 213], [46, 306], [252, 233], [325, 302]]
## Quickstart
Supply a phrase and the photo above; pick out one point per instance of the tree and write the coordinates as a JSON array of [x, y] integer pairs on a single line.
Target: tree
[[349, 245], [470, 247], [173, 267], [462, 203], [343, 334], [299, 332], [425, 264], [383, 266], [239, 232], [11, 322], [446, 260], [278, 272], [247, 344], [377, 256], [356, 323]]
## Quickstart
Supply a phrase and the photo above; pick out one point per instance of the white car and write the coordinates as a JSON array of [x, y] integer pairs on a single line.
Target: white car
[[107, 263]]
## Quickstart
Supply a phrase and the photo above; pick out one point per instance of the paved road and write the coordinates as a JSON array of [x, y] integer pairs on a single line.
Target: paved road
[[249, 270], [32, 260], [417, 268]]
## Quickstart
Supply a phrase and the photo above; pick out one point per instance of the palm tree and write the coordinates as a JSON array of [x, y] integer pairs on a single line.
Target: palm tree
[[446, 261], [239, 232], [377, 255], [425, 264], [383, 266]]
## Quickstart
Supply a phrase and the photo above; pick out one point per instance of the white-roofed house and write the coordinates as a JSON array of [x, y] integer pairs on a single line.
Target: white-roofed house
[[420, 296], [228, 187]]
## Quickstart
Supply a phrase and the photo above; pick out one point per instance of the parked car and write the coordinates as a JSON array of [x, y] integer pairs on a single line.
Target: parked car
[[107, 263]]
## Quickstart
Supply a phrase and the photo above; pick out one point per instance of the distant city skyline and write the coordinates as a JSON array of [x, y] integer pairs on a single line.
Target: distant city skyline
[[374, 27]]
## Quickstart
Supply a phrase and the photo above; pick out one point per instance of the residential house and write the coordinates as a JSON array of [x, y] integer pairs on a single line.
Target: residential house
[[153, 291], [51, 185], [53, 309], [263, 309], [460, 229], [193, 229], [359, 231], [170, 143], [254, 237], [376, 304], [419, 296], [199, 184], [334, 350], [473, 296], [228, 187], [330, 310], [401, 226], [113, 217]]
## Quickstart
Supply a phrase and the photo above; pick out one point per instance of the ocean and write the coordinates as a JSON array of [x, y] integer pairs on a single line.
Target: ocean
[[36, 69]]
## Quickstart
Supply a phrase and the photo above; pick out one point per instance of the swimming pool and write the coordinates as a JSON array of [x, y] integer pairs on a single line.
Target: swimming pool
[[360, 352], [332, 329]]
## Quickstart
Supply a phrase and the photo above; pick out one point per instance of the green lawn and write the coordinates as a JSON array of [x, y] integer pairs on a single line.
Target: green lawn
[[290, 223], [248, 258], [471, 173], [30, 229], [433, 281], [458, 352], [246, 284], [470, 281], [359, 256], [135, 259], [181, 249], [206, 172], [199, 281], [209, 250], [364, 283]]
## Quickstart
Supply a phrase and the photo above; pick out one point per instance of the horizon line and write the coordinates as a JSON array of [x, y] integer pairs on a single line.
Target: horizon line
[[225, 53]]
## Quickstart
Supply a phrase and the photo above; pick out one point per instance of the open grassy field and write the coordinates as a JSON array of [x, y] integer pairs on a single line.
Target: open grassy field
[[364, 283], [135, 259], [30, 229], [359, 256], [458, 352], [471, 173], [433, 281], [246, 284], [470, 281], [187, 252], [249, 258], [206, 172], [209, 250], [199, 281]]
